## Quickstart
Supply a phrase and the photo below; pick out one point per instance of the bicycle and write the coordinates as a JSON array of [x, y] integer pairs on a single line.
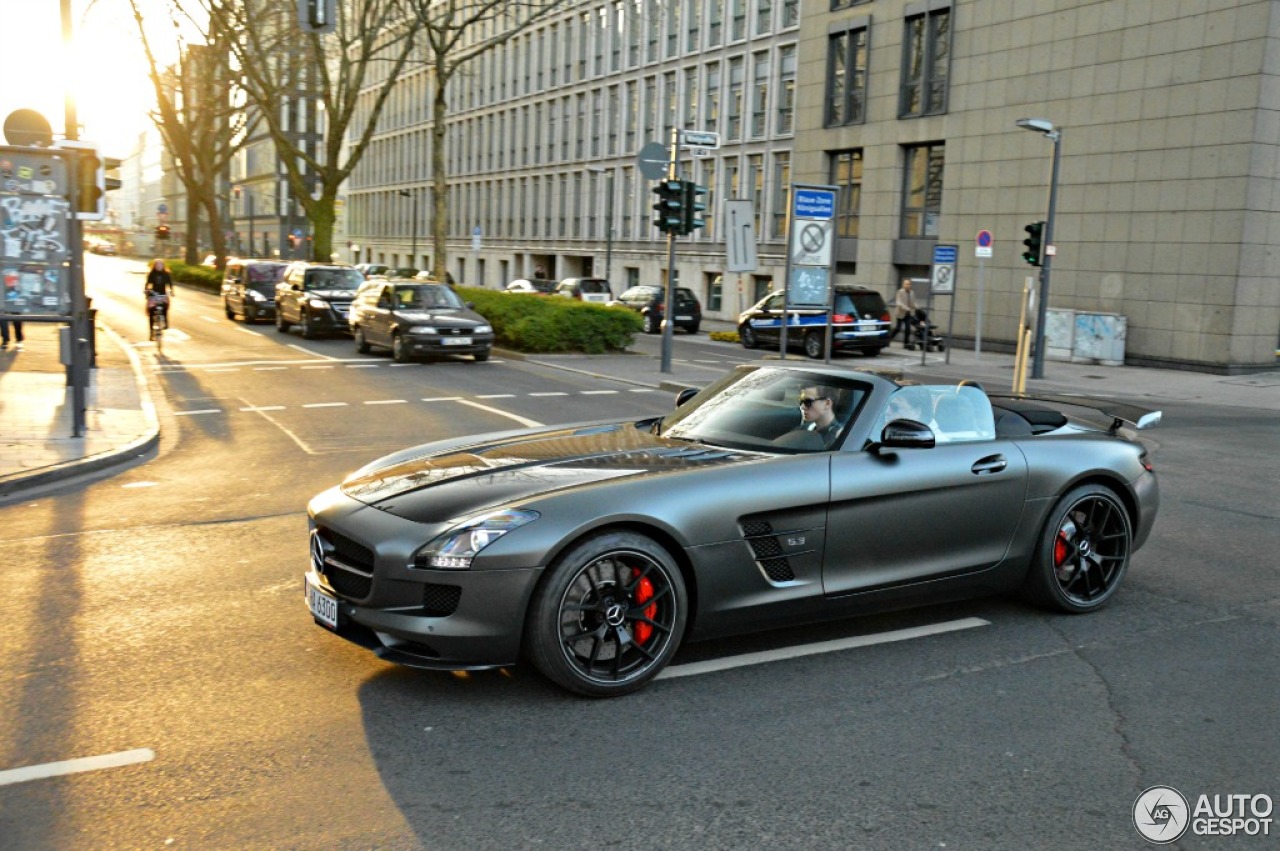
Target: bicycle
[[156, 305]]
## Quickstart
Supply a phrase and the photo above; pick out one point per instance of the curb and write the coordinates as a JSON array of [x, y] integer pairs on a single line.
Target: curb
[[17, 483]]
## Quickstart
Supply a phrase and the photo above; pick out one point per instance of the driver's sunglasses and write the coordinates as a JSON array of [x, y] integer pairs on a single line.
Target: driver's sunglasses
[[806, 402]]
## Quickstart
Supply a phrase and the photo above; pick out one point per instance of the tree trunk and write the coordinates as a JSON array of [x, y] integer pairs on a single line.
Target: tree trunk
[[191, 245], [439, 182]]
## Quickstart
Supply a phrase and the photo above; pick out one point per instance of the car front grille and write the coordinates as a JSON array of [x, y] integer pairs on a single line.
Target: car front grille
[[347, 564]]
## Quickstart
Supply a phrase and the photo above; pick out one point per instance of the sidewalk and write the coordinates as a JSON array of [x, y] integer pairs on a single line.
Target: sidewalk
[[37, 447], [36, 442]]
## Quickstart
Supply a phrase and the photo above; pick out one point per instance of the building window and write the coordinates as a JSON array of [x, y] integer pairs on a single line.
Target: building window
[[713, 98], [669, 112], [628, 199], [654, 21], [738, 19], [846, 78], [715, 20], [790, 13], [691, 97], [693, 18], [846, 173], [737, 70], [764, 16], [922, 190], [786, 90], [635, 23], [707, 179], [759, 94], [584, 44], [715, 291], [633, 114], [619, 24], [781, 194], [925, 64], [597, 120], [650, 107], [673, 28], [755, 186]]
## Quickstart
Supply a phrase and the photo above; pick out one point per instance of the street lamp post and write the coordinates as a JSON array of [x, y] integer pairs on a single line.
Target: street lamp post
[[1053, 134], [405, 193], [608, 219]]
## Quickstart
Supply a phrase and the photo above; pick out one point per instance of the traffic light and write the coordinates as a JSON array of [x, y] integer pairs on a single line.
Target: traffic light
[[90, 184], [1034, 243], [670, 206], [162, 231], [318, 16], [692, 207]]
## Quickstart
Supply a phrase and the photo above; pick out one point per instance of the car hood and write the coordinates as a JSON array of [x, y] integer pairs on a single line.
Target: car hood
[[436, 487], [440, 317]]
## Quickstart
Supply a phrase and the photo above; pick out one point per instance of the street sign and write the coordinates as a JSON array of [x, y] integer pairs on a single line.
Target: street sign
[[699, 139], [35, 241], [943, 279], [653, 161], [812, 226], [700, 153], [740, 236], [982, 245]]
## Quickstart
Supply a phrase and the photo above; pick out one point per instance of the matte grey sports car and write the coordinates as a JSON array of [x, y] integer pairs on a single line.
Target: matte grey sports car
[[775, 496]]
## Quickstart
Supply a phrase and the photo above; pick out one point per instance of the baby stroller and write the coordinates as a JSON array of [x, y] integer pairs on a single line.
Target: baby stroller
[[924, 333]]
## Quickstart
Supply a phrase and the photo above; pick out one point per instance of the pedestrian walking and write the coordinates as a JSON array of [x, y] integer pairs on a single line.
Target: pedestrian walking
[[905, 302], [18, 337]]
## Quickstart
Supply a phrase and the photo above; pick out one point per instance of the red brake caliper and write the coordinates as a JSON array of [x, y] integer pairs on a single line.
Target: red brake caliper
[[1060, 549], [644, 593]]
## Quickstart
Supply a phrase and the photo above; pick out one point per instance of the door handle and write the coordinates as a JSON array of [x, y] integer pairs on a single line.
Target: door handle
[[988, 465]]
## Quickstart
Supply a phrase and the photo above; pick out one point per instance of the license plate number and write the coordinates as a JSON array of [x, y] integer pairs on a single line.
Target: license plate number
[[323, 607], [456, 341], [683, 318]]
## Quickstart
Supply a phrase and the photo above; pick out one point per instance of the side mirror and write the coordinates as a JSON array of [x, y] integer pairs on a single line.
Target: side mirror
[[471, 305], [685, 395], [906, 434]]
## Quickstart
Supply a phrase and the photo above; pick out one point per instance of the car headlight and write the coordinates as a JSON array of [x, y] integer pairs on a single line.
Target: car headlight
[[484, 329], [254, 295], [455, 549], [422, 329], [318, 303]]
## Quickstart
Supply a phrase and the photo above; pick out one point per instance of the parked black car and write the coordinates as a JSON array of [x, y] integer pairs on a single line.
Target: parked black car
[[249, 288], [415, 319], [861, 323], [316, 297], [647, 300]]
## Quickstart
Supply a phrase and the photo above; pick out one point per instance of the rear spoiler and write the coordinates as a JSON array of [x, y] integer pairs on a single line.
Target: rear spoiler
[[1118, 414]]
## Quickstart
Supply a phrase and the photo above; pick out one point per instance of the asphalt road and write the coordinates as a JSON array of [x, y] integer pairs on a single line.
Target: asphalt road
[[158, 614]]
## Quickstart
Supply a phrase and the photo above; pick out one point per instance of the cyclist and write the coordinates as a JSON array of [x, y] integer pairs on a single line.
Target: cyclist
[[159, 290]]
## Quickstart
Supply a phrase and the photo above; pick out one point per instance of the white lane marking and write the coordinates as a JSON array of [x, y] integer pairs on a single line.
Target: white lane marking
[[76, 766], [262, 412], [363, 365], [269, 368], [307, 351], [197, 413], [386, 401], [234, 369], [406, 364], [497, 396], [244, 330], [550, 393], [727, 663], [325, 405], [441, 398], [640, 390], [210, 319], [140, 485], [263, 408], [525, 421], [597, 392], [317, 367]]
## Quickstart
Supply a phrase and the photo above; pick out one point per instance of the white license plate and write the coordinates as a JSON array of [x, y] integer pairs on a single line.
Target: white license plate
[[683, 318], [323, 607], [455, 341]]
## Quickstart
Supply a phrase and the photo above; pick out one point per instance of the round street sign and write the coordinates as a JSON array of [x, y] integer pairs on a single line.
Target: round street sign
[[653, 161]]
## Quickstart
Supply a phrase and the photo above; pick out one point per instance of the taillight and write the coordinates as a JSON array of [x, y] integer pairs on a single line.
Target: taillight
[[1145, 460], [841, 318], [884, 317]]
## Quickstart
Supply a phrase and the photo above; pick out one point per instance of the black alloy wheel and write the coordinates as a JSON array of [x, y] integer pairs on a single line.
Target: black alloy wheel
[[608, 616], [362, 345], [281, 324], [1083, 552], [747, 336], [814, 345]]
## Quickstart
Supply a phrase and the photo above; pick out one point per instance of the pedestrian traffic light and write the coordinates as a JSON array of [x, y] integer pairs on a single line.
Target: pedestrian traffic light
[[90, 184], [692, 207], [162, 231], [1034, 243], [670, 206]]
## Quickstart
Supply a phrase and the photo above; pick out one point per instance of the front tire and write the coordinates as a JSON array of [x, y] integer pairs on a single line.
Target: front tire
[[481, 357], [608, 616], [650, 324], [747, 337], [362, 345], [399, 351], [1083, 552], [306, 326], [226, 306]]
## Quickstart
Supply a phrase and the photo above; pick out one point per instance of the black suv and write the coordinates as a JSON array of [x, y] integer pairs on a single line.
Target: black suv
[[647, 300], [316, 297], [249, 288], [861, 323]]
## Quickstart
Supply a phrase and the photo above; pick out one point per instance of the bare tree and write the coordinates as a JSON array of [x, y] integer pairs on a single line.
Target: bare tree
[[347, 74], [456, 32], [200, 123]]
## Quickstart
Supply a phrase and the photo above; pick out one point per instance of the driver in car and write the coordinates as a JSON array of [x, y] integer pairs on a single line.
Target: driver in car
[[818, 412]]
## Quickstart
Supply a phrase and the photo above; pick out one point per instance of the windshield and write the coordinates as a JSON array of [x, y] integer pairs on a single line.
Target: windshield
[[427, 297], [334, 279], [762, 409], [264, 274]]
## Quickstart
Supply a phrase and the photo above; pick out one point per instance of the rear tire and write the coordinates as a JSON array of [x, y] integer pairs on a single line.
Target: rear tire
[[226, 306], [608, 615], [747, 337], [1083, 551], [873, 351], [650, 324], [814, 345]]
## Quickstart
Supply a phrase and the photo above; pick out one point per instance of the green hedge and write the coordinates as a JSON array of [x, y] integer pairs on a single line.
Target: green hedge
[[199, 276], [547, 324]]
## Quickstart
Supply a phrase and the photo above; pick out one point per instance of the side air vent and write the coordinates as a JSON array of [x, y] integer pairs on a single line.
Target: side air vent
[[767, 550], [440, 601]]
